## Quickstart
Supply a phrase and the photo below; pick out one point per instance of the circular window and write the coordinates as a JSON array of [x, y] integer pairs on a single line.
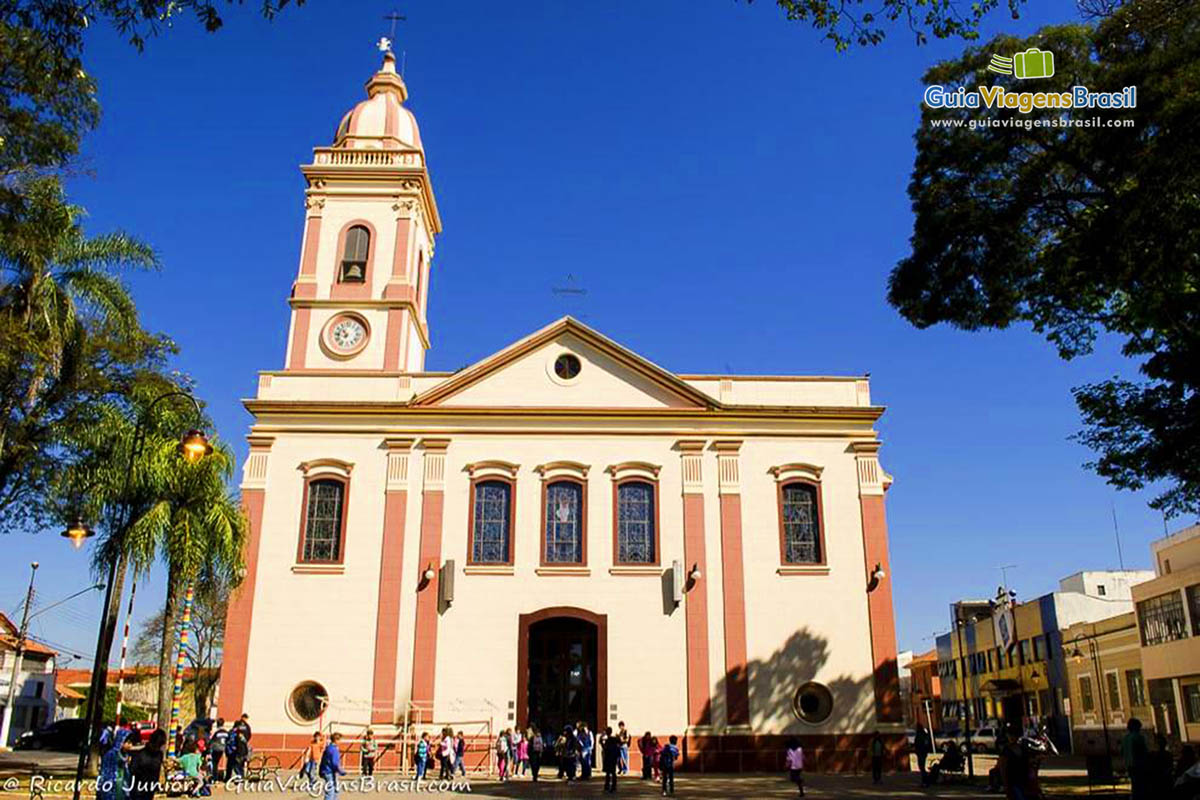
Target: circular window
[[307, 701], [812, 703], [567, 366]]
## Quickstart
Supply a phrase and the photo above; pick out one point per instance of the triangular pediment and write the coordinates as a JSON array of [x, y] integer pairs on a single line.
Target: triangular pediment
[[523, 375]]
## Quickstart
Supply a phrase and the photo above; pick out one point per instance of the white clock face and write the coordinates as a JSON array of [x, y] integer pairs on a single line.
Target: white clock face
[[347, 334]]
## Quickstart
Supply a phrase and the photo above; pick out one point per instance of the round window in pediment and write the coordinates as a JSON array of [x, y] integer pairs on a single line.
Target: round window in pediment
[[567, 366]]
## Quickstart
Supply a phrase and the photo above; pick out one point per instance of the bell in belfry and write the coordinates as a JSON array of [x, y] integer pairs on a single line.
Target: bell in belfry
[[352, 271]]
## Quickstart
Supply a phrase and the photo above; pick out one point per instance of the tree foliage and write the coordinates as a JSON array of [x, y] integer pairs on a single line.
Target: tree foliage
[[1079, 231], [849, 22], [47, 98], [71, 339]]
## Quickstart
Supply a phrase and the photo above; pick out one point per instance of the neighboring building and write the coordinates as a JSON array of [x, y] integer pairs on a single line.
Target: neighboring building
[[925, 698], [1029, 681], [561, 531], [70, 702], [140, 689], [35, 700], [1168, 612], [1107, 686], [903, 659], [1110, 584]]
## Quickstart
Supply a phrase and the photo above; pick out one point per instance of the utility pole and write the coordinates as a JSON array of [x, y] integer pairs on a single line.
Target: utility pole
[[6, 724]]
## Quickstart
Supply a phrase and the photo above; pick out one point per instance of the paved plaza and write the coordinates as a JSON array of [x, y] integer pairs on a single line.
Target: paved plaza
[[1061, 779]]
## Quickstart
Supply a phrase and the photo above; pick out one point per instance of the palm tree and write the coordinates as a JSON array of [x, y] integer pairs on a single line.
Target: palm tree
[[199, 530], [164, 508], [70, 333]]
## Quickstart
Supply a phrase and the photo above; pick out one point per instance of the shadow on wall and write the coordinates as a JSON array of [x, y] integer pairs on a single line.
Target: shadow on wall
[[769, 685]]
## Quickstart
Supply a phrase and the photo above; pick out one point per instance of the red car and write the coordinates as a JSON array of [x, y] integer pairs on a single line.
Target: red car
[[145, 727]]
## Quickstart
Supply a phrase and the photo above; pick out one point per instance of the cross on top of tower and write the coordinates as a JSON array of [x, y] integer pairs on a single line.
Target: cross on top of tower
[[393, 17]]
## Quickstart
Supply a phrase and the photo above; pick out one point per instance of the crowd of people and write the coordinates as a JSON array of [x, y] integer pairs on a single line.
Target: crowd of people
[[135, 769]]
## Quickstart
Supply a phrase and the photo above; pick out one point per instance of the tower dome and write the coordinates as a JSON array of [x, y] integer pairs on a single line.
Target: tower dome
[[381, 121]]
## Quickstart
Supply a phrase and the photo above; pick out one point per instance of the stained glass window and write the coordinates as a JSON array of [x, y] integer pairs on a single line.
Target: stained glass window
[[323, 521], [354, 257], [801, 527], [491, 543], [564, 528], [635, 523]]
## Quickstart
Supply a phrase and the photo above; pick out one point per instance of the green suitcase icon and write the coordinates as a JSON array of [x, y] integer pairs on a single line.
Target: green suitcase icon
[[1033, 63]]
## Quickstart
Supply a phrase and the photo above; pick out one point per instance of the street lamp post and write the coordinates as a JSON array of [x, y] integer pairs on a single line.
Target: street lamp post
[[1094, 651], [193, 446], [958, 626]]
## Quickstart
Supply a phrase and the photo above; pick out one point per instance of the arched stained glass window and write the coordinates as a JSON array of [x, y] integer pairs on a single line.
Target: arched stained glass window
[[636, 539], [564, 523], [801, 524], [491, 539], [323, 521], [354, 257]]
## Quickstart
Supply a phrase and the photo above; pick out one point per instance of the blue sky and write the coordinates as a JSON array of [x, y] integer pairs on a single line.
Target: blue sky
[[729, 190]]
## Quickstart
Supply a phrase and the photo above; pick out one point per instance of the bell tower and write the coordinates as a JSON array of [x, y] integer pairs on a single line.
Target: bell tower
[[360, 299]]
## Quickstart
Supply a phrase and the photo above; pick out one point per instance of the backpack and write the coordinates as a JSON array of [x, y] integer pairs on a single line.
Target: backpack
[[666, 759]]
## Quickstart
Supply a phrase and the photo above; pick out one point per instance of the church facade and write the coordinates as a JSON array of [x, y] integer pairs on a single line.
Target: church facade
[[562, 531]]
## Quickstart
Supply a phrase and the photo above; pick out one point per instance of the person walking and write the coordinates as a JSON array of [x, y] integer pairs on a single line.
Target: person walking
[[502, 755], [666, 765], [923, 745], [114, 766], [240, 753], [446, 749], [312, 759], [331, 766], [216, 749], [624, 738], [644, 745], [368, 751], [1136, 754], [571, 752], [587, 745], [145, 767], [610, 759], [876, 758], [536, 746], [460, 755], [560, 753], [795, 764], [421, 756], [243, 725], [522, 747]]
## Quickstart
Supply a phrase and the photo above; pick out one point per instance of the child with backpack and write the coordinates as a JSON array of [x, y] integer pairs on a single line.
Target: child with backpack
[[502, 755], [422, 755], [666, 765]]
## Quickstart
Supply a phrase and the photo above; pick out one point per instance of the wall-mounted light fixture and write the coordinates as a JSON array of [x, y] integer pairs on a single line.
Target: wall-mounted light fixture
[[877, 575], [695, 574]]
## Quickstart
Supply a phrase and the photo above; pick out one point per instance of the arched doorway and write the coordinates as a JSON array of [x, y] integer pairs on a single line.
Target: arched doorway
[[562, 668]]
